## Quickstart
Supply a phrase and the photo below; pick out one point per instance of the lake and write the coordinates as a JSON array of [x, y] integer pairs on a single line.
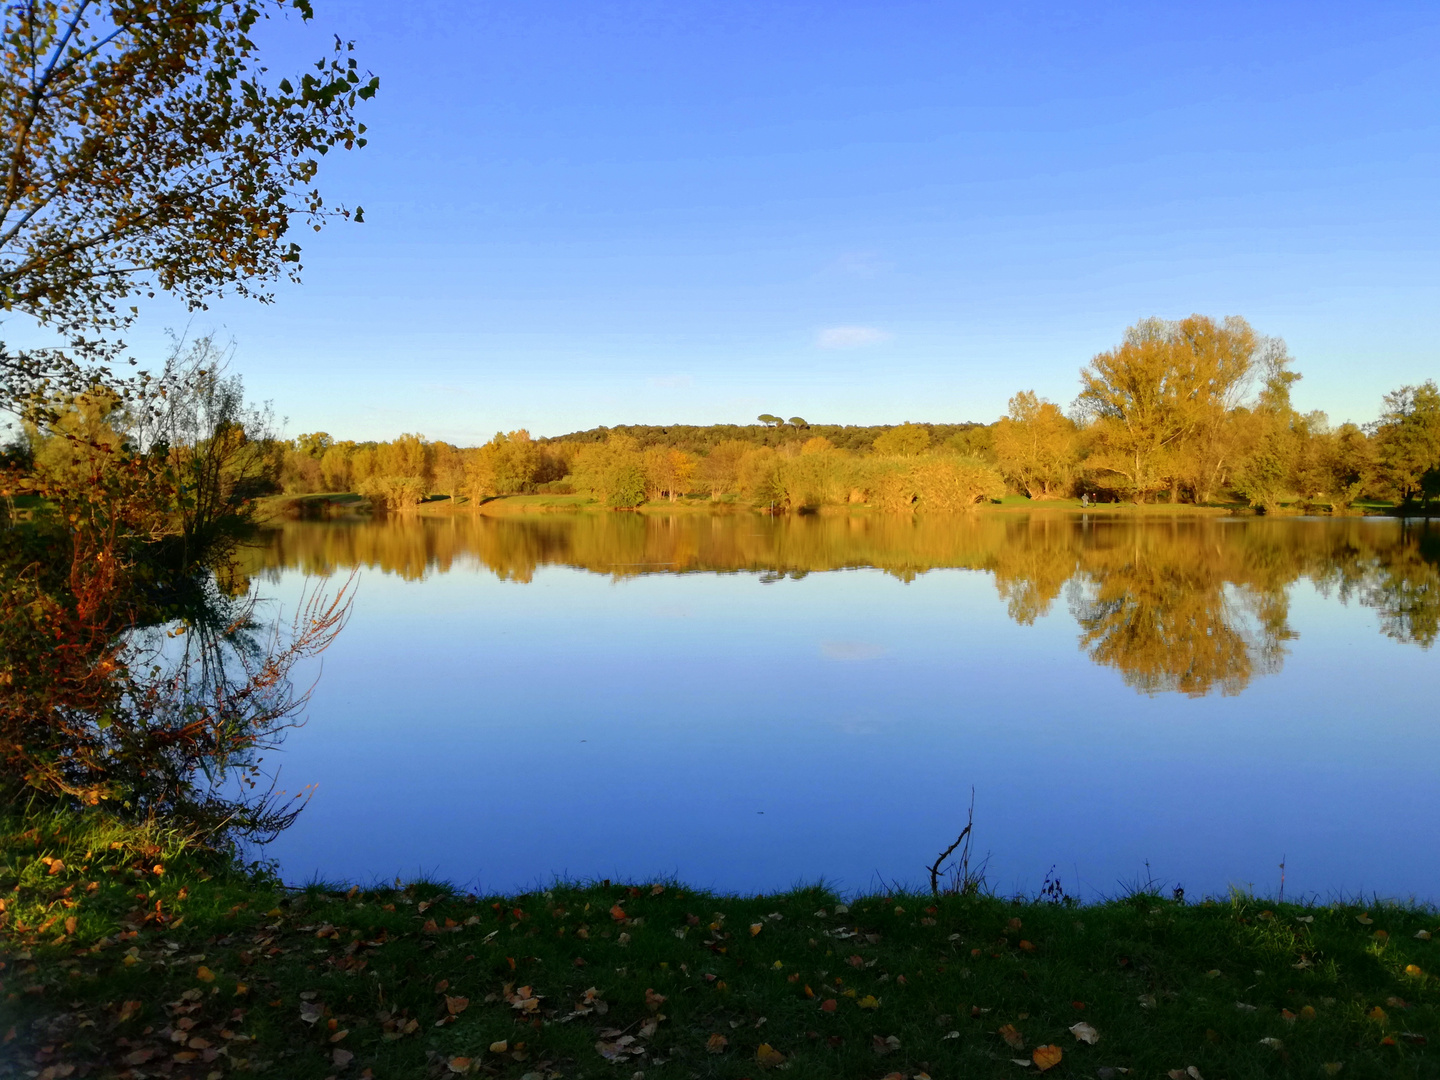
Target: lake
[[746, 703]]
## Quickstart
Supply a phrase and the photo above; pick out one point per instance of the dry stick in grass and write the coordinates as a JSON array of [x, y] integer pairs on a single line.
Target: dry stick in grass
[[964, 838]]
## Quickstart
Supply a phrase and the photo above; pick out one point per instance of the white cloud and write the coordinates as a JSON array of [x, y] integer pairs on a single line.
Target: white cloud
[[851, 650], [850, 337]]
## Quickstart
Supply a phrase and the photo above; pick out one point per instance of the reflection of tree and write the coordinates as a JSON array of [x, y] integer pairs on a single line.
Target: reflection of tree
[[1190, 605], [1401, 584]]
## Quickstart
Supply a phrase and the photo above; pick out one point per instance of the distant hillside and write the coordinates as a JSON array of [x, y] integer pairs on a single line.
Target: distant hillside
[[698, 439]]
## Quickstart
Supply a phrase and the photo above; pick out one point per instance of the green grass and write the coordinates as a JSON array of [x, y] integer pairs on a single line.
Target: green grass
[[135, 955]]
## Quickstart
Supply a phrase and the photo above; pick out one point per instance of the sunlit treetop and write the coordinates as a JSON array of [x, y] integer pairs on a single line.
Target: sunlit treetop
[[146, 148]]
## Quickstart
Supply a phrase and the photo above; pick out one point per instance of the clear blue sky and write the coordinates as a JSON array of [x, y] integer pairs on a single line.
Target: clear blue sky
[[584, 213]]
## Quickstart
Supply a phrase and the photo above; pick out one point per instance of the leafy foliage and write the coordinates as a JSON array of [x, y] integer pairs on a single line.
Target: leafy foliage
[[143, 148]]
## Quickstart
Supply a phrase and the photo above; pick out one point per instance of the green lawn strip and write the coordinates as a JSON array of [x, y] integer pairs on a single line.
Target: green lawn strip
[[128, 953]]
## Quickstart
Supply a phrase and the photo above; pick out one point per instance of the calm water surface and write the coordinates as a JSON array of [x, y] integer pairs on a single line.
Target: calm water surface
[[746, 703]]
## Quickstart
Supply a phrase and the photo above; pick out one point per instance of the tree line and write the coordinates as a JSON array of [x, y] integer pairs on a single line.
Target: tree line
[[1194, 411]]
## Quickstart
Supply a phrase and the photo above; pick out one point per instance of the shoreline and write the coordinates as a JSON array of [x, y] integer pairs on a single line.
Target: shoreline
[[129, 951], [329, 506]]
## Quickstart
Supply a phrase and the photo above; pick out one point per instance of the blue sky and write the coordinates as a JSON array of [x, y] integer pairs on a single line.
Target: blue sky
[[605, 212]]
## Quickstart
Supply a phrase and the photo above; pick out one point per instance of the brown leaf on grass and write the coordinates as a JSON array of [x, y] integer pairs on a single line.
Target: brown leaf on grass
[[767, 1057], [1364, 920], [1046, 1057], [70, 924], [204, 974], [1012, 1036], [717, 1043], [501, 1047], [653, 1001], [1085, 1033], [127, 1010], [456, 1005], [1026, 946], [338, 1035], [459, 1064], [829, 1005], [888, 1045], [341, 1058], [618, 913]]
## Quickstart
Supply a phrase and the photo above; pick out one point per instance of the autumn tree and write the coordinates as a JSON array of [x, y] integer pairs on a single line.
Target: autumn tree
[[145, 148], [720, 469], [449, 469], [667, 472], [1036, 446], [612, 472], [1163, 396], [402, 475], [907, 440]]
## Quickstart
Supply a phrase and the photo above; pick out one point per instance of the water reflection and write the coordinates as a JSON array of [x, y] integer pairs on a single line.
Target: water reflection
[[1187, 605]]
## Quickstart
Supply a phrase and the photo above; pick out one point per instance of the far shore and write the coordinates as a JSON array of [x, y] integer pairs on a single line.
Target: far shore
[[348, 504]]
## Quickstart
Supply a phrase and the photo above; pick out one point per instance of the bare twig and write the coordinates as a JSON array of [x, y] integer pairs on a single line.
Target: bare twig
[[963, 838]]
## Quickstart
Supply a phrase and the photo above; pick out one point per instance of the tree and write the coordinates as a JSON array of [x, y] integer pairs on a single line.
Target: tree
[[1036, 446], [907, 440], [144, 149], [720, 469], [1407, 438], [798, 422], [1163, 394], [768, 420]]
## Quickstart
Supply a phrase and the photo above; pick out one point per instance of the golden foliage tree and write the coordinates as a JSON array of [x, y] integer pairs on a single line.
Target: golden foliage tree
[[1036, 446]]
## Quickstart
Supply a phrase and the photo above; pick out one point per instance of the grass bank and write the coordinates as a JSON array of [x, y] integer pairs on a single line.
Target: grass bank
[[127, 953]]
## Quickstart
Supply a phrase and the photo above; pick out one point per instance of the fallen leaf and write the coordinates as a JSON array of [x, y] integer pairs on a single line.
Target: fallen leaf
[[755, 928], [1377, 1014], [1012, 1037], [1046, 1057], [1422, 935], [1364, 920], [341, 1058], [459, 1064], [1273, 1044], [618, 913], [1024, 1063], [1414, 1038], [717, 1043], [1085, 1033], [869, 1001], [1307, 1013], [828, 1005], [500, 1047], [456, 1005], [888, 1045], [1414, 970], [204, 974], [339, 1035], [767, 1057]]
